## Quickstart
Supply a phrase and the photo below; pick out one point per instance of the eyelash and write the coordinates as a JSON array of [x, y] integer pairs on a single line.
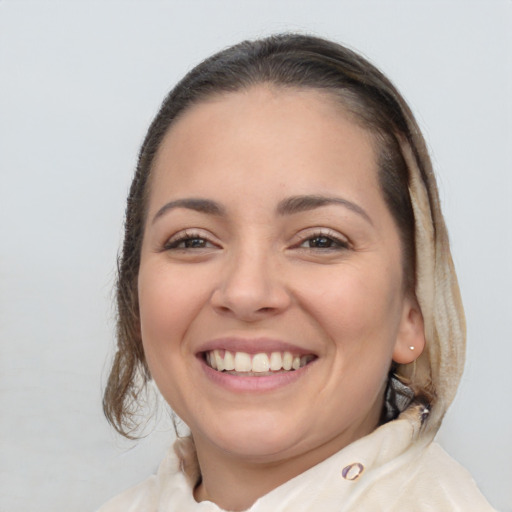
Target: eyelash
[[336, 242], [339, 243], [174, 242]]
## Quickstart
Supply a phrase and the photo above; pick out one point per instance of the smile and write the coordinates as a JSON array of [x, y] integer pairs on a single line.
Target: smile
[[255, 365]]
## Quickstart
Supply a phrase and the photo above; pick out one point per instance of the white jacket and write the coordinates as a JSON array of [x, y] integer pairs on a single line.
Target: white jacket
[[392, 469]]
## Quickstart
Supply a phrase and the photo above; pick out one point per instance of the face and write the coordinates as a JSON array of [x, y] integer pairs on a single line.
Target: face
[[270, 285]]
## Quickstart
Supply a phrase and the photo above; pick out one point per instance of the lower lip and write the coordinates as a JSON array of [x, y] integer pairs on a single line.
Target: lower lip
[[254, 384]]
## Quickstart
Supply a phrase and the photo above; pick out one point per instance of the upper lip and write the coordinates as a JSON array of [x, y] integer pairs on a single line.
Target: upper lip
[[253, 346]]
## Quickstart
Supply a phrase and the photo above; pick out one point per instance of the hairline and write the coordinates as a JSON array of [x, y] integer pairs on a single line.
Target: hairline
[[334, 96]]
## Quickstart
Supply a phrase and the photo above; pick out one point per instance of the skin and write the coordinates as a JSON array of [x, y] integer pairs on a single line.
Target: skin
[[328, 280]]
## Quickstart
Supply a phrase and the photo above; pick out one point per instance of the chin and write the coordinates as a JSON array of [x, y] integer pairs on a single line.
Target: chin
[[263, 437], [260, 448]]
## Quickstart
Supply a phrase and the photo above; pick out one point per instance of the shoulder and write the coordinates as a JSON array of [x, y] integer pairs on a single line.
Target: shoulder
[[140, 498], [167, 486], [449, 482], [433, 481], [436, 464]]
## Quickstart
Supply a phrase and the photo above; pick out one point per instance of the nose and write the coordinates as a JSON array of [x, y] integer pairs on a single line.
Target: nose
[[251, 287]]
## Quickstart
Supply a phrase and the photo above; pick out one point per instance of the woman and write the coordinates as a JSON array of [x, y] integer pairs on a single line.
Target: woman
[[286, 280]]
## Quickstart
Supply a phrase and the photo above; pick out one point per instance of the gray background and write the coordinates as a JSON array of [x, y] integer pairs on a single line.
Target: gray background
[[79, 83]]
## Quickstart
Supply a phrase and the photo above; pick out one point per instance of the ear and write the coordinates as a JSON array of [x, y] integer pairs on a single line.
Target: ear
[[410, 341]]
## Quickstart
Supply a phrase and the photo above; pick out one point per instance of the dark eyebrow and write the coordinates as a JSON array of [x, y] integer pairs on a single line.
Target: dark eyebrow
[[297, 204], [199, 205]]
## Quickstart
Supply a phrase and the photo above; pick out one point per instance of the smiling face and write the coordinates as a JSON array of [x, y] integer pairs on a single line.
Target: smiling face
[[271, 282]]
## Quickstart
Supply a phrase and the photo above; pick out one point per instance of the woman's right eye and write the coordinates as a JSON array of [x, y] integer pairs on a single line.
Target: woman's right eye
[[188, 241]]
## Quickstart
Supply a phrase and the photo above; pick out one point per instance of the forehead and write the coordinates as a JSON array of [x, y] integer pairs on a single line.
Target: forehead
[[287, 131], [269, 102]]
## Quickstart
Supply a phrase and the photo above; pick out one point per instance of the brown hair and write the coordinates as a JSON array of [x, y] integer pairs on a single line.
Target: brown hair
[[289, 60]]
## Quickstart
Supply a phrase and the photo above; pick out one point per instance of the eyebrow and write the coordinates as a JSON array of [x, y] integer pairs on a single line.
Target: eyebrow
[[297, 204], [289, 206], [199, 205]]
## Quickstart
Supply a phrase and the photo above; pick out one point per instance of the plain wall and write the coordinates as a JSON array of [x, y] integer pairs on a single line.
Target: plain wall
[[79, 84]]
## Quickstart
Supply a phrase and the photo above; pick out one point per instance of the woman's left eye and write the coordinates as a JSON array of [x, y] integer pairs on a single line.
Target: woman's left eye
[[322, 241]]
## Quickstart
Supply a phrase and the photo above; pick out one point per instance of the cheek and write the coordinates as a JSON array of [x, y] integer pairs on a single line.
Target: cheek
[[169, 300], [359, 311]]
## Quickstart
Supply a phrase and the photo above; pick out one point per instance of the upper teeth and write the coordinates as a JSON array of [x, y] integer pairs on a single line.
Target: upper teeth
[[259, 363]]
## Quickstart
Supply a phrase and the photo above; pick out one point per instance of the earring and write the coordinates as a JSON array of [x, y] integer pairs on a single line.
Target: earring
[[411, 347]]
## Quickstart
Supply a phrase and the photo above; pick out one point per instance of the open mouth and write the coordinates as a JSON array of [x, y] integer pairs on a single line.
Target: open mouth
[[255, 365]]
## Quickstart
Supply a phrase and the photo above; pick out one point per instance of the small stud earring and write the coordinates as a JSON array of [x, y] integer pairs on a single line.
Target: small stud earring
[[411, 347]]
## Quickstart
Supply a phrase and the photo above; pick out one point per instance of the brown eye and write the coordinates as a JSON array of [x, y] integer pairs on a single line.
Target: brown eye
[[321, 242], [324, 242], [188, 242], [194, 243]]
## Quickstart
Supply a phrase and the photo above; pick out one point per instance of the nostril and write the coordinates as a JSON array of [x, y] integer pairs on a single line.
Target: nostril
[[248, 303]]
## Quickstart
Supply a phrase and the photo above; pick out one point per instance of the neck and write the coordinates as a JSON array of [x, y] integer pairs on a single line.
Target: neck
[[237, 486]]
